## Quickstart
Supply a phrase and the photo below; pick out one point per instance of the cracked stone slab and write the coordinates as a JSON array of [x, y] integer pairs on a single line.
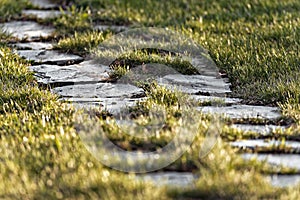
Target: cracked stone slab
[[49, 57], [33, 46], [261, 129], [225, 100], [171, 179], [27, 30], [112, 105], [86, 71], [99, 90], [43, 4], [193, 84], [244, 111], [42, 14], [264, 143], [287, 160]]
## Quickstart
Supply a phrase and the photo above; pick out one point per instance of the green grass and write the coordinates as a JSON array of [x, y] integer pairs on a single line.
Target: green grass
[[10, 9], [42, 155], [73, 20], [255, 42], [81, 43]]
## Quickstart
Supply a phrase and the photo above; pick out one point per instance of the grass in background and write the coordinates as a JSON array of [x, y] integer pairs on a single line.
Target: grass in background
[[255, 42], [9, 9]]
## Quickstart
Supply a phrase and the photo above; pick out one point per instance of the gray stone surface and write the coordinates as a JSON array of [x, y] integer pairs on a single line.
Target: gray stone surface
[[112, 105], [244, 111], [99, 90], [44, 4], [225, 100], [288, 160], [41, 14], [284, 180], [262, 129], [49, 57], [193, 84], [27, 30], [205, 66], [87, 71], [33, 46], [265, 143], [171, 179], [113, 28]]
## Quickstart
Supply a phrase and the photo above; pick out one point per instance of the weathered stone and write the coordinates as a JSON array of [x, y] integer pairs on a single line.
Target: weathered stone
[[27, 30], [225, 100], [244, 111], [112, 105], [113, 28], [205, 66], [171, 179], [44, 4], [265, 143], [193, 84], [288, 160], [87, 71], [33, 46], [99, 90], [261, 129], [284, 180], [42, 14], [49, 57]]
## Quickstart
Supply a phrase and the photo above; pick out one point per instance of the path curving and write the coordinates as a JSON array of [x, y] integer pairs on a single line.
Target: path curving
[[66, 73]]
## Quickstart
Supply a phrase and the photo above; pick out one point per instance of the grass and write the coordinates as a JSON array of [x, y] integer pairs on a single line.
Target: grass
[[10, 9], [81, 43], [255, 42], [46, 157], [73, 20]]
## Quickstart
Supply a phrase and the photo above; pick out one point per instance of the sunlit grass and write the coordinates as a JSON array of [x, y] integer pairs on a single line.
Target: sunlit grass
[[10, 9], [255, 42], [82, 43]]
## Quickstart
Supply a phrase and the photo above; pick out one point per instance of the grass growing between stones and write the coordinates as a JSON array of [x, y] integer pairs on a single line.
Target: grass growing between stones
[[256, 43], [82, 43], [42, 155]]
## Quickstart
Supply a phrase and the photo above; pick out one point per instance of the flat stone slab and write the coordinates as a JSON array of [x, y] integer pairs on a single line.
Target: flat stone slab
[[284, 180], [27, 30], [212, 99], [244, 111], [49, 57], [193, 84], [87, 71], [33, 46], [261, 129], [171, 179], [113, 28], [42, 14], [264, 143], [43, 4], [287, 160], [205, 66], [112, 105], [99, 90], [177, 179]]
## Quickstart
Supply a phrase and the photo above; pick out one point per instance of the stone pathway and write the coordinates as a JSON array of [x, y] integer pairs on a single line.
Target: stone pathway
[[84, 83]]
